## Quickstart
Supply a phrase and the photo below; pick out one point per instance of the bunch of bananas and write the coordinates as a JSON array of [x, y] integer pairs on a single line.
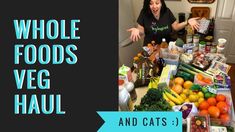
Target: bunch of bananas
[[153, 83], [172, 97]]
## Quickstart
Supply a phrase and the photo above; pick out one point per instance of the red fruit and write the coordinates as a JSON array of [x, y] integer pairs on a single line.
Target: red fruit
[[204, 105], [220, 97], [203, 113], [225, 118], [214, 111], [223, 107], [211, 101]]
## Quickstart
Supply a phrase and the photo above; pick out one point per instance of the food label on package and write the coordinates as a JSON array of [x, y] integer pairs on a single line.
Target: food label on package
[[218, 129], [212, 90]]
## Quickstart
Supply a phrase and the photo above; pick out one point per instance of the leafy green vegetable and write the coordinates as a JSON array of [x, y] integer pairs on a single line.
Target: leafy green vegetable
[[196, 87], [153, 101], [179, 42]]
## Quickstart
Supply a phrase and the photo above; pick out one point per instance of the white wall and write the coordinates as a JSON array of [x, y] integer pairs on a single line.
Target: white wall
[[177, 6]]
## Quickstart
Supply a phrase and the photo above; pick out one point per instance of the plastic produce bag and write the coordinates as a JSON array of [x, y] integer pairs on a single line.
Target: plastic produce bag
[[187, 109]]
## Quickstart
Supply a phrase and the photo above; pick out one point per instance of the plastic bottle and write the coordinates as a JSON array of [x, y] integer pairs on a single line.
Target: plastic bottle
[[145, 69], [211, 29], [125, 103], [164, 44]]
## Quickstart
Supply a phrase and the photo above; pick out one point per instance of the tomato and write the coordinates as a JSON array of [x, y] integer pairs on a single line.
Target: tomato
[[203, 112], [214, 111], [220, 97], [211, 101], [204, 105], [223, 107], [225, 118]]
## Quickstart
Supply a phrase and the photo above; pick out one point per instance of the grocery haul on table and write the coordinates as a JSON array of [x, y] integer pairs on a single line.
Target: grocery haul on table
[[187, 77]]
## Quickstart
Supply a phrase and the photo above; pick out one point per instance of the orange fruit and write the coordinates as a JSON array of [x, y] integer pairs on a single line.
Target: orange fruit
[[225, 118], [188, 84], [211, 101], [214, 111], [223, 107], [204, 105], [177, 88], [203, 113], [220, 97], [179, 81], [207, 80], [200, 77]]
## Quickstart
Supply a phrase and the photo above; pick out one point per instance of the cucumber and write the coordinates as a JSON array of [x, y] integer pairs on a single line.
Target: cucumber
[[187, 70], [194, 69], [186, 76]]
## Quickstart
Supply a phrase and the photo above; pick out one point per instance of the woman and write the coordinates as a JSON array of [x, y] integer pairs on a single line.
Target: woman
[[156, 21]]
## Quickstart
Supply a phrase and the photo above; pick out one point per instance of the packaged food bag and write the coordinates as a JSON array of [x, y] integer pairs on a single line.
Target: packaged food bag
[[187, 109], [125, 71]]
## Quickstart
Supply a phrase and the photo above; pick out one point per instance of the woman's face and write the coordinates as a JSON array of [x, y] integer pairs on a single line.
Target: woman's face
[[155, 7]]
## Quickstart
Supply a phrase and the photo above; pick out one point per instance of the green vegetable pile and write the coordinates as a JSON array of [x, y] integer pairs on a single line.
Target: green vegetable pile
[[153, 101], [179, 42]]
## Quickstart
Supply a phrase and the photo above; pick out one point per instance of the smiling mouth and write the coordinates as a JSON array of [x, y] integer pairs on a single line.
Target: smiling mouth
[[155, 11]]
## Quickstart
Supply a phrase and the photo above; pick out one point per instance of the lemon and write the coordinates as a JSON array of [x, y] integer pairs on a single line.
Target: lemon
[[193, 98], [200, 100], [186, 100], [183, 96], [186, 92], [190, 92], [196, 104], [200, 94]]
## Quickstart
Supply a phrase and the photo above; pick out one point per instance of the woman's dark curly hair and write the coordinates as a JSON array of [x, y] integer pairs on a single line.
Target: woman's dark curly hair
[[147, 10]]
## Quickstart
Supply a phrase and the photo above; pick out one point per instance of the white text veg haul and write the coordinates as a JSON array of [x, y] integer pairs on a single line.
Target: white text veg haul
[[43, 54]]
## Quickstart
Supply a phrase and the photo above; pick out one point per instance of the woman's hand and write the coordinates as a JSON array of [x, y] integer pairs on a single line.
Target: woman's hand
[[194, 23], [135, 34]]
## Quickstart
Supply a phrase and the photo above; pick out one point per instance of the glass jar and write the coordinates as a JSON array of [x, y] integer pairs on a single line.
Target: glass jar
[[196, 39], [208, 47], [202, 46], [213, 47], [189, 39]]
